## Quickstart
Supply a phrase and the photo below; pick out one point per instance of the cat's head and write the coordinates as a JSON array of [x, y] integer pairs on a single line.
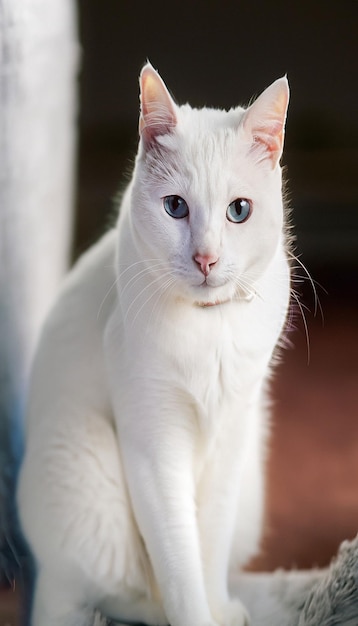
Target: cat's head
[[207, 191]]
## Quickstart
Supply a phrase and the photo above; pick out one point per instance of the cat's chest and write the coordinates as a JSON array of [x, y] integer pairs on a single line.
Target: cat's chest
[[210, 362], [218, 361], [206, 363]]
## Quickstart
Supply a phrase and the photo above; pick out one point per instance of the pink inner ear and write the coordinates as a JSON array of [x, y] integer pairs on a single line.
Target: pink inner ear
[[265, 120], [157, 107], [270, 137]]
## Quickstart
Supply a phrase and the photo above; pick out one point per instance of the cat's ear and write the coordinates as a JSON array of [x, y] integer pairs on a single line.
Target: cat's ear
[[158, 110], [265, 121]]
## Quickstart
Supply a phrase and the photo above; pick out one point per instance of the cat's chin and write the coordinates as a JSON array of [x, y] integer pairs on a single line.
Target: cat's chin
[[210, 297], [212, 303], [217, 297]]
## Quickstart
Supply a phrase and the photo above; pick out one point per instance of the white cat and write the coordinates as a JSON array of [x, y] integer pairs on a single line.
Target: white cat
[[142, 483]]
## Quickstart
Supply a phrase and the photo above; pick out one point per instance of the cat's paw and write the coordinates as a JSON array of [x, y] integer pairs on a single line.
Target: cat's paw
[[233, 613]]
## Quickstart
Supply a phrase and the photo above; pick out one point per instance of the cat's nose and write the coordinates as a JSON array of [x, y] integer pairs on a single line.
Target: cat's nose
[[206, 262]]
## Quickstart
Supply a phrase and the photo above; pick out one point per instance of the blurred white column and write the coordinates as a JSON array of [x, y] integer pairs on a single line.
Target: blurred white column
[[38, 69]]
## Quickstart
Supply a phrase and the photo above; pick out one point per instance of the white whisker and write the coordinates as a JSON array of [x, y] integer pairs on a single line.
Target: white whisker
[[148, 286], [121, 274], [301, 308], [307, 276], [246, 283], [132, 265], [106, 296], [137, 276], [161, 297]]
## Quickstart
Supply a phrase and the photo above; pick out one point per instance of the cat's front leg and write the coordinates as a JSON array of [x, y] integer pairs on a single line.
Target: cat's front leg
[[223, 499], [157, 451]]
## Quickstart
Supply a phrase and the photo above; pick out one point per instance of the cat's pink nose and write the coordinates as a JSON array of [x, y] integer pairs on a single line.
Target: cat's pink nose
[[206, 262]]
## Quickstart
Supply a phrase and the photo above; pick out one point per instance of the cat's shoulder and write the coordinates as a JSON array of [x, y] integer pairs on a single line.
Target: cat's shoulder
[[99, 256], [89, 288]]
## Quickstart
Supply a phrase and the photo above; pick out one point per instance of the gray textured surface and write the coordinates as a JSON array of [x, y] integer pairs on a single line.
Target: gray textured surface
[[300, 598]]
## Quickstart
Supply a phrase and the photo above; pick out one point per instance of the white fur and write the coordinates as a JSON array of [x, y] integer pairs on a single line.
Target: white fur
[[142, 484]]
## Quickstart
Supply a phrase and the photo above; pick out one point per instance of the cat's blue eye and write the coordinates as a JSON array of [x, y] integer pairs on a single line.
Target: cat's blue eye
[[238, 211], [176, 207]]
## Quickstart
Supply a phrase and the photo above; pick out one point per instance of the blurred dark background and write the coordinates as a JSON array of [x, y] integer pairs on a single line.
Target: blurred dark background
[[221, 54]]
